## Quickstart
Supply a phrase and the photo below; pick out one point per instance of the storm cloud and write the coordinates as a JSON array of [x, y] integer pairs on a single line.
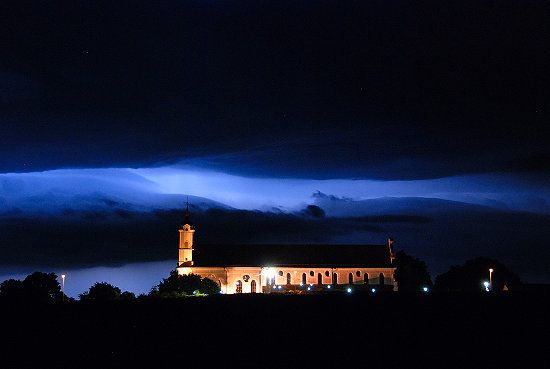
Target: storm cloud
[[359, 90]]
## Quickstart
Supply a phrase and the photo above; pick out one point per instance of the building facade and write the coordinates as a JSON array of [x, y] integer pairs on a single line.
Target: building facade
[[373, 270]]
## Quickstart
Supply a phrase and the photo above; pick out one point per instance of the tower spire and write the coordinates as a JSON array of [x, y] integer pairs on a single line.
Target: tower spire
[[187, 212]]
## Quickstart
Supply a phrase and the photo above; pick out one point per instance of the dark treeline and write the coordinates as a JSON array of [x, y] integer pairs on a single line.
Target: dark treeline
[[44, 287]]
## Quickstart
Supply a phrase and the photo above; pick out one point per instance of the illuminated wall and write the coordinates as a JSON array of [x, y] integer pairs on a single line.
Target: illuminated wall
[[252, 279]]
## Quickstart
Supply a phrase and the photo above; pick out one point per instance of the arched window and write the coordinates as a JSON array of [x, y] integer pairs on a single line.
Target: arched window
[[350, 278], [304, 278], [334, 278], [366, 278], [253, 286], [288, 278], [272, 280], [319, 278], [186, 244], [239, 287], [381, 278]]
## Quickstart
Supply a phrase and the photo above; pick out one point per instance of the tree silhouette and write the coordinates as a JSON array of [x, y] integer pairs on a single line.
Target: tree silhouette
[[40, 286], [101, 291], [37, 286], [176, 285], [411, 273], [471, 275], [126, 295], [12, 289]]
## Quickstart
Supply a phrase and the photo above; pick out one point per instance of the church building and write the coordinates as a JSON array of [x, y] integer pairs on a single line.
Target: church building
[[283, 268]]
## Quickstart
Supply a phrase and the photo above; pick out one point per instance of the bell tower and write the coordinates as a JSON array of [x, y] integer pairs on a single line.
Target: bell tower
[[186, 242]]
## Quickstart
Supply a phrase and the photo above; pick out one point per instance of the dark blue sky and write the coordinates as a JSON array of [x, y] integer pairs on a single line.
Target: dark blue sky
[[365, 109]]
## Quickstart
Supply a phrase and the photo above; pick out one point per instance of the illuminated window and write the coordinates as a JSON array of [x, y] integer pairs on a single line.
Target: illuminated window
[[319, 278], [239, 287], [304, 278], [350, 278], [287, 278], [253, 286]]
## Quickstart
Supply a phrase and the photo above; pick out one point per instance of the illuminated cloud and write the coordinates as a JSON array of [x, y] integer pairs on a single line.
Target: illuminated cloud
[[146, 189]]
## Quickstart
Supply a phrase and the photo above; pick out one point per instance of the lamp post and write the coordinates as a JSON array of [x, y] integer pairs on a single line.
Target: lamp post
[[490, 279], [63, 284]]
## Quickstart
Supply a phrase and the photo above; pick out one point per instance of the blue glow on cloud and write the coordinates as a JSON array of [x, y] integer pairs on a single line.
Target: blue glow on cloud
[[144, 189]]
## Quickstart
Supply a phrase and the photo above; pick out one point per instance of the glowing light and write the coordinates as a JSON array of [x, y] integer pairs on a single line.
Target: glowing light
[[309, 288], [348, 290], [329, 286], [63, 295], [194, 292], [269, 272], [373, 290], [301, 284], [184, 270], [279, 287], [486, 284], [425, 289]]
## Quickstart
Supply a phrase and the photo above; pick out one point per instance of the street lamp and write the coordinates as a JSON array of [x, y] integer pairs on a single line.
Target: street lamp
[[491, 279], [63, 283]]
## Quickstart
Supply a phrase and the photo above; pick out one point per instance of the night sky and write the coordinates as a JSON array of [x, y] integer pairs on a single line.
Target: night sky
[[283, 121]]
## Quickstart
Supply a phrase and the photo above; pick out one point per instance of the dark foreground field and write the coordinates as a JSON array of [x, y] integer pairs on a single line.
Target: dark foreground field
[[383, 330]]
